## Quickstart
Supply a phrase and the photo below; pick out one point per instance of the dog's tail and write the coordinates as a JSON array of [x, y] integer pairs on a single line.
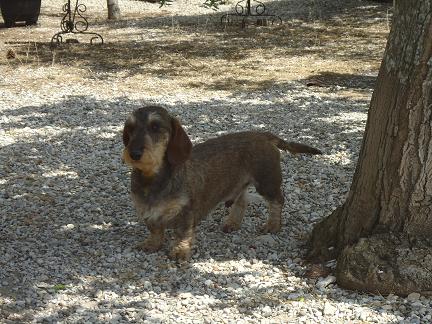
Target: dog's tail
[[292, 147]]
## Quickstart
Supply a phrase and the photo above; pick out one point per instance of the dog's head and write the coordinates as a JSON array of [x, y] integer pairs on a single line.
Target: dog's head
[[151, 136]]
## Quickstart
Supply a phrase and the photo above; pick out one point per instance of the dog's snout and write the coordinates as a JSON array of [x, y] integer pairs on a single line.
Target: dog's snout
[[135, 155]]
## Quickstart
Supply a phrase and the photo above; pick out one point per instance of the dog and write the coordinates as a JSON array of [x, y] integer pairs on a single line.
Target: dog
[[175, 184]]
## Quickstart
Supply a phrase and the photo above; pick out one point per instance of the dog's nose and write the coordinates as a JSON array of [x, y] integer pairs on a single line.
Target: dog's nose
[[135, 155]]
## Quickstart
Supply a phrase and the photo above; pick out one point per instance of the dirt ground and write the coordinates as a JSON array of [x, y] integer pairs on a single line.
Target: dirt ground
[[152, 49]]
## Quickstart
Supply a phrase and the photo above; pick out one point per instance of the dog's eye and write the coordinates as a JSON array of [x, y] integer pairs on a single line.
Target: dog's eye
[[155, 127]]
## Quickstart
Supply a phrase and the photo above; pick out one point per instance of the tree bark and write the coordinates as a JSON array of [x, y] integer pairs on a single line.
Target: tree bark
[[380, 236], [113, 9]]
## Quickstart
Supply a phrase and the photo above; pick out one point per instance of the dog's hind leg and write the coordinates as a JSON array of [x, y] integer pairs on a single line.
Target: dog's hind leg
[[235, 217], [268, 185], [274, 221]]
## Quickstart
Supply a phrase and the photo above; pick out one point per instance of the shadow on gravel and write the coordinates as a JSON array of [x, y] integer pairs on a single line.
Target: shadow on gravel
[[68, 228], [349, 81], [358, 13]]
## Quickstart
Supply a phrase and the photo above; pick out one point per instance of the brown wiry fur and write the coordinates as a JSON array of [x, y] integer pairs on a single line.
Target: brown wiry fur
[[174, 185]]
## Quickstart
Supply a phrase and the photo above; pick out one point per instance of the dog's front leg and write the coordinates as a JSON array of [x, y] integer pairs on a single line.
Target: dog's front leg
[[184, 236], [154, 242]]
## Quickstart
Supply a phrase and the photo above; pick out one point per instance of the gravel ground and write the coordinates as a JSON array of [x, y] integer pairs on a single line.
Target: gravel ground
[[68, 227]]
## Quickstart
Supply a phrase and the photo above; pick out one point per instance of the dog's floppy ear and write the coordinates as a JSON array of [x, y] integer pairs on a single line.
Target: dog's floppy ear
[[129, 123], [125, 135], [179, 145]]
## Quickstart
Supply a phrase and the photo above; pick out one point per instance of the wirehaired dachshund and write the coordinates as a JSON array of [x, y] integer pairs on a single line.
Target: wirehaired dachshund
[[174, 184]]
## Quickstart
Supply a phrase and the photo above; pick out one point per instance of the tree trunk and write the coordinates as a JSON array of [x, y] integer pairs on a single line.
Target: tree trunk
[[380, 236], [113, 9]]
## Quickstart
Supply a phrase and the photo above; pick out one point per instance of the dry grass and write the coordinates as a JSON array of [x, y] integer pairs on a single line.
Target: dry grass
[[152, 50]]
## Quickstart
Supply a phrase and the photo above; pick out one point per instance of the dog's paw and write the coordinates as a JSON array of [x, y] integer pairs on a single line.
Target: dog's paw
[[230, 227], [149, 245], [271, 227], [180, 253]]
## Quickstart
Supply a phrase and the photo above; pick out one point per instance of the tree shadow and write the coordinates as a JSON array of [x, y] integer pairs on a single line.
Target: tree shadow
[[68, 228], [340, 80], [352, 13], [229, 56]]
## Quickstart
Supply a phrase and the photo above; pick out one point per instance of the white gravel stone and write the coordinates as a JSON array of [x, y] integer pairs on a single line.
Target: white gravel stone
[[324, 282], [267, 240], [266, 311], [329, 309], [414, 296]]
